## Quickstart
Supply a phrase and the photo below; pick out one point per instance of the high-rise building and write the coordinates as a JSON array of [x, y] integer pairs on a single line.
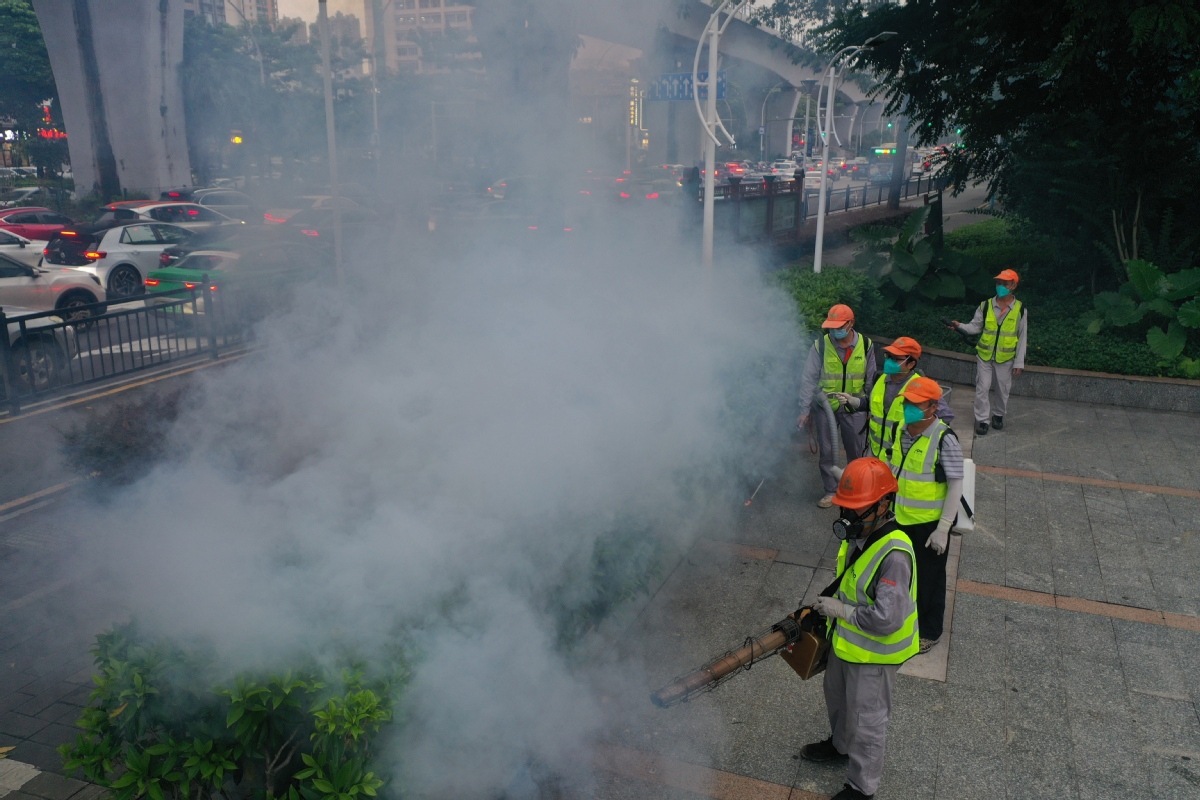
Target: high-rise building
[[412, 27], [213, 11], [345, 33], [240, 12], [301, 34]]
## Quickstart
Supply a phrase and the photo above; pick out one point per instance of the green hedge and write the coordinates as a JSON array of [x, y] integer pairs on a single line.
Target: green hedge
[[1050, 288]]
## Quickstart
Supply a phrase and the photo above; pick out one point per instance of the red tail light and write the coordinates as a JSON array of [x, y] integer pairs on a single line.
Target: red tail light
[[192, 212], [45, 251], [188, 285], [269, 217], [624, 195], [174, 194], [94, 255], [310, 232], [626, 172], [584, 191], [533, 227], [568, 230], [164, 259], [67, 233], [652, 196], [152, 281]]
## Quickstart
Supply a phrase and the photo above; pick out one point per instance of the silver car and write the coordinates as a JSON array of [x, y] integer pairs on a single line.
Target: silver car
[[48, 288], [18, 248], [120, 257], [40, 355]]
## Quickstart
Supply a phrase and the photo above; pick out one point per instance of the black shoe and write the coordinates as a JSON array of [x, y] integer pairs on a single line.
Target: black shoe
[[981, 428], [848, 792], [998, 423], [822, 751]]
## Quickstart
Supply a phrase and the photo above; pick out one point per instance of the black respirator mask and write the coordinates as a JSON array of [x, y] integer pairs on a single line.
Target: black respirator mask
[[851, 524]]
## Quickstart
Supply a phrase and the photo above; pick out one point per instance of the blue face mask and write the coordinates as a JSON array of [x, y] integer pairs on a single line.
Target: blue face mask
[[840, 333], [1002, 291], [912, 414], [891, 366]]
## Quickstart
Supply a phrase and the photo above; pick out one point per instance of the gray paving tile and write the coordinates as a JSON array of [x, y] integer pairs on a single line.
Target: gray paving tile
[[53, 787], [1173, 777], [970, 775], [1106, 747], [20, 725], [974, 721], [1167, 724], [1029, 779]]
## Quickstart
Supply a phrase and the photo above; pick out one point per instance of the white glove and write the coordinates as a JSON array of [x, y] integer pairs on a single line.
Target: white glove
[[832, 607], [939, 538], [847, 399]]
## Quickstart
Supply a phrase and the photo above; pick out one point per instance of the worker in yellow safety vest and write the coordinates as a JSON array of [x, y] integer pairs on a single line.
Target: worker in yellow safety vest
[[1003, 332], [872, 622], [928, 462], [842, 362]]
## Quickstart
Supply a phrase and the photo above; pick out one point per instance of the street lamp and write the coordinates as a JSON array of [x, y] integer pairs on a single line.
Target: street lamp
[[832, 75], [708, 115], [762, 125]]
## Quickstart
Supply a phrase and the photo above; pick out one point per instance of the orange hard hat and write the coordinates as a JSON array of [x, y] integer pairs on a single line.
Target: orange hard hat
[[904, 346], [922, 390], [838, 316], [1008, 275], [864, 482]]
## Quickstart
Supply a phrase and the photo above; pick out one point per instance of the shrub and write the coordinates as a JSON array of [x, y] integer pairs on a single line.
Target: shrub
[[814, 293], [121, 443], [159, 725]]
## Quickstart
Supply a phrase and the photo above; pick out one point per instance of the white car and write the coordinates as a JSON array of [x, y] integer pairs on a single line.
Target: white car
[[41, 354], [27, 251], [184, 215], [47, 288], [120, 257]]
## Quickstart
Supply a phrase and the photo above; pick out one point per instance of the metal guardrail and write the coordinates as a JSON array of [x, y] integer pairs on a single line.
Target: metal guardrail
[[768, 208], [44, 354]]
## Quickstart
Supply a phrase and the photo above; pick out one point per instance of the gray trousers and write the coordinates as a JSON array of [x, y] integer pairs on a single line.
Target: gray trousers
[[854, 439], [993, 382], [859, 700]]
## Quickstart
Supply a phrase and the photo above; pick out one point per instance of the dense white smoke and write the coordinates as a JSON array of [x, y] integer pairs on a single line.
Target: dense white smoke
[[439, 448]]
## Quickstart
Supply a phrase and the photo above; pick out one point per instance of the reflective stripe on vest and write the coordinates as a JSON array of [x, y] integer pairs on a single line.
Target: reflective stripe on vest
[[919, 496], [853, 644], [1006, 332], [849, 377], [881, 435]]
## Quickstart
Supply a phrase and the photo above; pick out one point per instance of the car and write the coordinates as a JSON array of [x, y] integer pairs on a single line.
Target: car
[[120, 256], [12, 197], [231, 203], [33, 222], [262, 277], [49, 288], [315, 226], [41, 351], [314, 202], [879, 173], [185, 215], [27, 251]]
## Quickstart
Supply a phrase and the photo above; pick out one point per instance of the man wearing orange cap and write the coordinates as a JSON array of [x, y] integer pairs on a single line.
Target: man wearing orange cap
[[884, 401], [928, 462], [1001, 323], [842, 362], [871, 615]]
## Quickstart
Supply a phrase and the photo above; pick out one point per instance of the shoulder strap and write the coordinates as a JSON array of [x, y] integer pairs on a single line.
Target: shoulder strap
[[875, 536], [939, 473]]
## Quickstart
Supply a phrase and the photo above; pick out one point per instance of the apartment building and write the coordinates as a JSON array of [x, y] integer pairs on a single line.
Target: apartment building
[[410, 26]]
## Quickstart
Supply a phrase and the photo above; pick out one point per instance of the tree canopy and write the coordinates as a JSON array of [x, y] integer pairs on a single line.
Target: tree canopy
[[1085, 112], [24, 65]]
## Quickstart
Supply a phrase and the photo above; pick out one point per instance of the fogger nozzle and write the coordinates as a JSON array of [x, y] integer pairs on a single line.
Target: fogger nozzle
[[756, 648]]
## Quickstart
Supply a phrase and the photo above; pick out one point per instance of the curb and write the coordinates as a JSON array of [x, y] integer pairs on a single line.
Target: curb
[[1080, 386]]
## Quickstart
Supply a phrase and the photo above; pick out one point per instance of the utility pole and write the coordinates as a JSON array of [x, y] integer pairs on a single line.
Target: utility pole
[[331, 138]]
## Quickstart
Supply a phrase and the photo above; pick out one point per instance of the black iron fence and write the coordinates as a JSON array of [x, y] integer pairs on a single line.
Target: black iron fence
[[777, 209], [45, 354]]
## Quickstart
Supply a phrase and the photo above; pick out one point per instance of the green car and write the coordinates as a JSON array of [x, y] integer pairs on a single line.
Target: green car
[[252, 282]]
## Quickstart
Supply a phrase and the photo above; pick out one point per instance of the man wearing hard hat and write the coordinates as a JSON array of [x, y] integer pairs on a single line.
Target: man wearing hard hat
[[872, 617], [884, 402], [1001, 323], [928, 462], [842, 362]]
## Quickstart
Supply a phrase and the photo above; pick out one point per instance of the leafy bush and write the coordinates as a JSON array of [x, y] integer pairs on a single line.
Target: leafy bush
[[160, 726], [814, 293], [908, 267]]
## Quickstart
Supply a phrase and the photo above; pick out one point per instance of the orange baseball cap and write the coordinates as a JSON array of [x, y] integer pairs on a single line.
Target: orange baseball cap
[[1008, 275], [838, 316], [904, 346], [922, 390]]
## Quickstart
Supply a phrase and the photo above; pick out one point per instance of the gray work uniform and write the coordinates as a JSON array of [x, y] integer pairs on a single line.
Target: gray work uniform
[[993, 381], [852, 426], [859, 696], [891, 389]]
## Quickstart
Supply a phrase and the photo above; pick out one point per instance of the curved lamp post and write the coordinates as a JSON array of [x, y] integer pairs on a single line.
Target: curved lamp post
[[833, 76]]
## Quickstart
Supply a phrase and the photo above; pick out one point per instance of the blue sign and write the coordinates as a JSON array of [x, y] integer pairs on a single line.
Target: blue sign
[[678, 86]]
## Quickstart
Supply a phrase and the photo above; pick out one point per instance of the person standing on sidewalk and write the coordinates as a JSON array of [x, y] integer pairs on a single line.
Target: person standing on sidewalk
[[884, 402], [842, 361], [872, 621], [1001, 321], [928, 462]]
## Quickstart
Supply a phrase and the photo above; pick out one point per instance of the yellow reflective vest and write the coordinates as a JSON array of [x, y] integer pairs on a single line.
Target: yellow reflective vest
[[849, 376], [853, 644], [920, 495], [882, 427], [1000, 339]]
